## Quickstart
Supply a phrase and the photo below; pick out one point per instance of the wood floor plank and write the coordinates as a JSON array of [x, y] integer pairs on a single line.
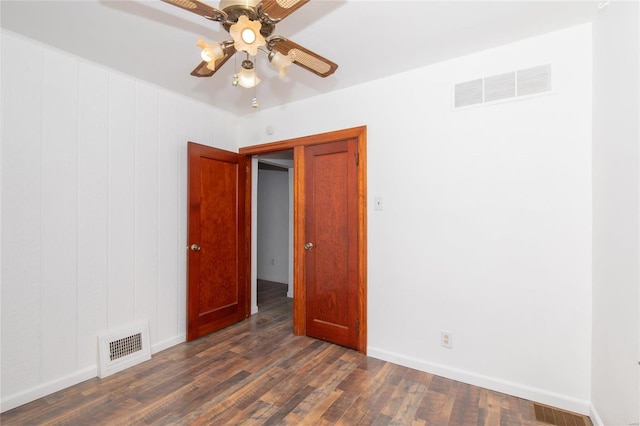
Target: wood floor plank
[[311, 409], [373, 395], [432, 407], [410, 402], [290, 405], [257, 372], [338, 407], [465, 408]]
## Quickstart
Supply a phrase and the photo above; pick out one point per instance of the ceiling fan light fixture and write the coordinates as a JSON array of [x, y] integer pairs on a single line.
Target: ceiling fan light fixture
[[280, 61], [246, 35], [210, 53], [247, 76], [251, 24]]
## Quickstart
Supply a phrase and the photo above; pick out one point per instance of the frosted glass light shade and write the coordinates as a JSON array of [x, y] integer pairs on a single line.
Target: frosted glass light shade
[[210, 53], [282, 62], [246, 35], [247, 78]]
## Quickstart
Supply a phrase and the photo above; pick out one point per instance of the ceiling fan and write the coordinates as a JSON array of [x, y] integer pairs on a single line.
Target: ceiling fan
[[251, 24]]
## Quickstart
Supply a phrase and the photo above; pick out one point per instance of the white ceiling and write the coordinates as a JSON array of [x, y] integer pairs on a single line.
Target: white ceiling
[[155, 41]]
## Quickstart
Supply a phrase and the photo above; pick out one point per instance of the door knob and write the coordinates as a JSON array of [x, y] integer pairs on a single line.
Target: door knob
[[308, 246], [195, 247]]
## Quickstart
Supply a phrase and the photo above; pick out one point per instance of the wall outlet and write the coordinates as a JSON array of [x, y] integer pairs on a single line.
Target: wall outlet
[[446, 339]]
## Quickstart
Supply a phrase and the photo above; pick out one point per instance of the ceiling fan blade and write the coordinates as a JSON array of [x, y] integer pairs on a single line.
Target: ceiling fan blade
[[305, 58], [202, 71], [199, 8], [280, 9]]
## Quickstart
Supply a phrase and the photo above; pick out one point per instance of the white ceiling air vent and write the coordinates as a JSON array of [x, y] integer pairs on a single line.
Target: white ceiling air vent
[[468, 93], [499, 87], [123, 348], [534, 80]]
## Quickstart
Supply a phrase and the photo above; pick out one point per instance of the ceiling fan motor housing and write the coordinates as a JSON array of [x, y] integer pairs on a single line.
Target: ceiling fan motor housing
[[237, 8], [246, 3]]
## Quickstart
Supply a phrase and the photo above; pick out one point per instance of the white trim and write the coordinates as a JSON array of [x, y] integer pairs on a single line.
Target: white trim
[[290, 240], [91, 372], [533, 394], [595, 418], [168, 343], [254, 235], [48, 388]]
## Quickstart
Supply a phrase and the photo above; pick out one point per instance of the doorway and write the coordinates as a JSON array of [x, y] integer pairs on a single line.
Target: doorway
[[274, 230], [357, 137]]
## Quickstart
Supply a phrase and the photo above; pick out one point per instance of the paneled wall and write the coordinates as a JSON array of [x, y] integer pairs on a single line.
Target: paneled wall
[[93, 212]]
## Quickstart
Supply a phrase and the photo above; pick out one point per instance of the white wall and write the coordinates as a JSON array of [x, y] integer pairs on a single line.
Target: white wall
[[616, 215], [93, 212], [486, 230], [273, 226], [486, 227]]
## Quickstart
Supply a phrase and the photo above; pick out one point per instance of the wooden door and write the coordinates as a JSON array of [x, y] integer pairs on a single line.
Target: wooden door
[[217, 294], [331, 246]]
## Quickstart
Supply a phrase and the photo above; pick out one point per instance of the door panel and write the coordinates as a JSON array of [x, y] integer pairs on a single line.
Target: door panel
[[331, 225], [217, 287]]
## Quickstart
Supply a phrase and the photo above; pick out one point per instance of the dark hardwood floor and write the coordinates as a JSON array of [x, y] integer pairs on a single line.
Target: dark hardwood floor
[[257, 372]]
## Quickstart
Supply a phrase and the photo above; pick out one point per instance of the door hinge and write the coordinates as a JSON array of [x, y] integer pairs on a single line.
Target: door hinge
[[357, 159], [357, 326]]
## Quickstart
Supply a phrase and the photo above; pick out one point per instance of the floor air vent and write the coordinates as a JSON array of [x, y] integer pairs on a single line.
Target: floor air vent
[[554, 416], [123, 349]]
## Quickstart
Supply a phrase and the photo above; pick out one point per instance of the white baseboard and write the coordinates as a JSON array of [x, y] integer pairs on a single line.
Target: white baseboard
[[538, 395], [42, 390], [595, 417], [167, 343], [18, 399]]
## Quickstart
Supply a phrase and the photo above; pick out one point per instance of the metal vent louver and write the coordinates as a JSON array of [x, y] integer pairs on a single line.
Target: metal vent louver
[[499, 87], [534, 80], [123, 348], [510, 85], [468, 93]]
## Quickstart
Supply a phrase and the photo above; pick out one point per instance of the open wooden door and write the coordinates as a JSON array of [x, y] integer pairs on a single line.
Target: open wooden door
[[330, 278], [217, 287], [331, 247]]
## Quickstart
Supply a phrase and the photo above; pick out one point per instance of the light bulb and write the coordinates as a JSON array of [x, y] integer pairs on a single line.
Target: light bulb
[[248, 36], [210, 53]]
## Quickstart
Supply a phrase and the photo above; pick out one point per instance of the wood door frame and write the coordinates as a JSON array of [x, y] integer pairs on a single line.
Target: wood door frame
[[299, 286]]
